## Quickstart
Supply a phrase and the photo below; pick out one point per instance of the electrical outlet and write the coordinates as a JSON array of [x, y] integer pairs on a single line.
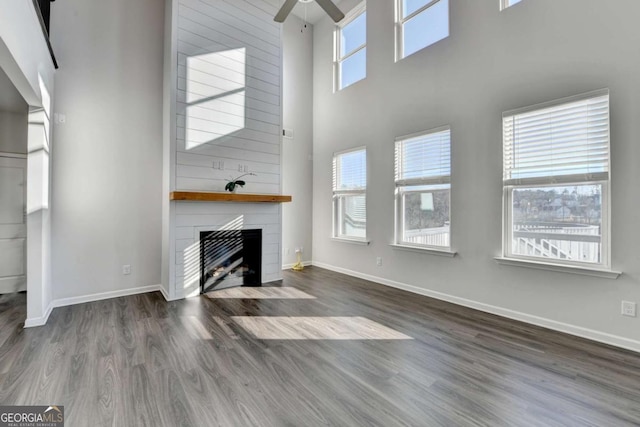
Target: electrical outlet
[[240, 168], [379, 261], [126, 270], [245, 168], [287, 251], [629, 308]]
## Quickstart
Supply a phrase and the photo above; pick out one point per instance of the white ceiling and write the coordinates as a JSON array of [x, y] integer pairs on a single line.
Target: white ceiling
[[313, 12], [10, 98]]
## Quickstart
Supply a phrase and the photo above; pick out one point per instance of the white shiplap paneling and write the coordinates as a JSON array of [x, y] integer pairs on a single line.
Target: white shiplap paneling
[[228, 114]]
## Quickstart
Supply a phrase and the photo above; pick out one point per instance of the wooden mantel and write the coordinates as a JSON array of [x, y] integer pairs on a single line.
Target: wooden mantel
[[200, 196]]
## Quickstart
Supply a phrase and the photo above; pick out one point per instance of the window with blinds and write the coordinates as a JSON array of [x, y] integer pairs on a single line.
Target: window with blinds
[[556, 180], [349, 194], [562, 143], [423, 189]]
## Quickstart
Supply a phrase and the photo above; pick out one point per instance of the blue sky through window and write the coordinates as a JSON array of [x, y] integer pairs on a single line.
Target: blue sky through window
[[426, 28], [353, 170], [353, 36]]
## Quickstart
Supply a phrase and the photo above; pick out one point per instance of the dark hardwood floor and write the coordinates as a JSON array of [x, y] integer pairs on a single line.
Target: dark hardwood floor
[[334, 350]]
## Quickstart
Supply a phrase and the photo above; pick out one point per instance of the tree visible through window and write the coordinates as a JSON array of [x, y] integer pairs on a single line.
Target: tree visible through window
[[556, 181], [423, 189]]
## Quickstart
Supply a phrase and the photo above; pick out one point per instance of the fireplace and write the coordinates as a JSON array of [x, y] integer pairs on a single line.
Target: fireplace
[[230, 258]]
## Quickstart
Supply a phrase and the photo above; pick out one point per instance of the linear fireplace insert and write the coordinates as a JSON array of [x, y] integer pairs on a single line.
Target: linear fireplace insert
[[230, 258]]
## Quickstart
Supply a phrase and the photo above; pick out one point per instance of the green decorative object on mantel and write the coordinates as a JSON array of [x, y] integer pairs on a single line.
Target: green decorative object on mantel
[[234, 183]]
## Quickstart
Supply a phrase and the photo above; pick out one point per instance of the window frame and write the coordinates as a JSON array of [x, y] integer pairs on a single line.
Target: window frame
[[400, 21], [605, 225], [351, 16], [419, 184], [504, 4], [337, 194]]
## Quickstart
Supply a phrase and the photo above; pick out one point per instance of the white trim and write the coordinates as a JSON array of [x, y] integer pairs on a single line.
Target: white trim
[[351, 16], [561, 268], [602, 337], [448, 252], [13, 155], [39, 321], [363, 242], [415, 135], [399, 26], [290, 266], [166, 296], [557, 102], [63, 302]]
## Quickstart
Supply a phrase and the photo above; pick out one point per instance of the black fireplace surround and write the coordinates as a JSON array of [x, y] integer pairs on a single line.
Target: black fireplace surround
[[230, 258]]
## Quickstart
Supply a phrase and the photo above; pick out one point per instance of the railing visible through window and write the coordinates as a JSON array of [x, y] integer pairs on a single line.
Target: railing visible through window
[[423, 189], [556, 180], [349, 194]]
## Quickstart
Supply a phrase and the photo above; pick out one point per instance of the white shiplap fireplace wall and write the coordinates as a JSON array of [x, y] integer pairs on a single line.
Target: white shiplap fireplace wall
[[223, 111]]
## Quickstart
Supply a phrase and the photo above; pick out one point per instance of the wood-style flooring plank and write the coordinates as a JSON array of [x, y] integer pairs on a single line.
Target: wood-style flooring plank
[[142, 361]]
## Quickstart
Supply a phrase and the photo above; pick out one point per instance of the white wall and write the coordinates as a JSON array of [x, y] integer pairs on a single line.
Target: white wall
[[107, 167], [536, 51], [25, 59], [297, 115], [13, 132]]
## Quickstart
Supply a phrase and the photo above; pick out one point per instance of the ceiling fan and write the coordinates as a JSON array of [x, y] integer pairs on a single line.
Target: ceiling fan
[[328, 6]]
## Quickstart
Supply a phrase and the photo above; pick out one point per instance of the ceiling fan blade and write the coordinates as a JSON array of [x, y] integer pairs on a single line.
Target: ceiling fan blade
[[331, 9], [285, 10]]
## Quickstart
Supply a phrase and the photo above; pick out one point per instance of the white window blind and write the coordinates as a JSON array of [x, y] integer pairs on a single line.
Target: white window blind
[[350, 171], [565, 142], [424, 159]]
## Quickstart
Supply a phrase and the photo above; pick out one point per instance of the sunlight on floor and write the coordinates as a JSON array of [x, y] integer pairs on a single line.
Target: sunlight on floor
[[317, 328], [259, 293]]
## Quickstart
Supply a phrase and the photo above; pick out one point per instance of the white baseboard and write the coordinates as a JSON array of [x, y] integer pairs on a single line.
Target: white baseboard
[[165, 295], [39, 321], [63, 302], [290, 266], [579, 331]]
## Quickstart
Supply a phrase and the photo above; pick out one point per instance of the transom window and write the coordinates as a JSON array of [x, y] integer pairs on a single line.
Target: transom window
[[556, 181], [349, 194], [350, 51], [506, 3], [420, 23], [423, 189]]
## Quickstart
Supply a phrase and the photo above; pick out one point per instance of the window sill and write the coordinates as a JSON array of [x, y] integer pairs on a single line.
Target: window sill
[[585, 271], [363, 242], [433, 251]]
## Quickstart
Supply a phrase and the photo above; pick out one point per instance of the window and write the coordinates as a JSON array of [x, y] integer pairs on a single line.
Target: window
[[420, 23], [350, 51], [506, 3], [349, 194], [556, 181], [423, 189]]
